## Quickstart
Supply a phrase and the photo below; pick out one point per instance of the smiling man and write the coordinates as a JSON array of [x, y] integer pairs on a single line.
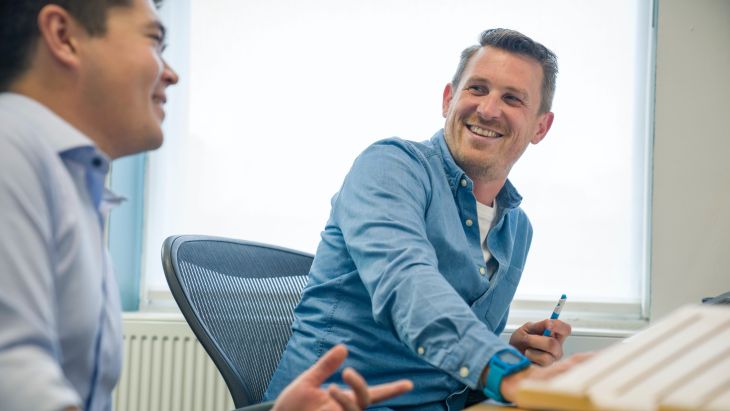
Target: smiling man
[[426, 243], [82, 82]]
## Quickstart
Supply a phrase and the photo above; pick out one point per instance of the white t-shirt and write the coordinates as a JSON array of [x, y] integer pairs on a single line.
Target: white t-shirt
[[486, 216]]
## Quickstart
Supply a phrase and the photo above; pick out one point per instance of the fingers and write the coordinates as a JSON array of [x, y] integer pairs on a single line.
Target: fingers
[[548, 345], [327, 365], [389, 390], [558, 329], [343, 399], [542, 350], [579, 358], [518, 339], [358, 385], [559, 367], [541, 358], [361, 396], [534, 328]]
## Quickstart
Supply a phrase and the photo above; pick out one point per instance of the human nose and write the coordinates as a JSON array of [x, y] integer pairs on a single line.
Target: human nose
[[490, 107], [169, 76]]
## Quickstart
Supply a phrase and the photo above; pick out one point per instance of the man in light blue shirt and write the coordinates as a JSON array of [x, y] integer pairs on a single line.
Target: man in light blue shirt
[[80, 85], [405, 275], [59, 302]]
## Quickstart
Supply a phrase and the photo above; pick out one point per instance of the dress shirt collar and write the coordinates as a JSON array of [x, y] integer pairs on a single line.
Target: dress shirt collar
[[508, 197], [70, 144], [57, 132]]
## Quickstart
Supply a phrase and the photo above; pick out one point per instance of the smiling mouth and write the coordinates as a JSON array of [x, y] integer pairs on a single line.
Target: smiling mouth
[[159, 104], [483, 132]]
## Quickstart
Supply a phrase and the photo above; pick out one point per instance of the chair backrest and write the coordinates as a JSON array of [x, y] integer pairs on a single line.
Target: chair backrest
[[238, 297]]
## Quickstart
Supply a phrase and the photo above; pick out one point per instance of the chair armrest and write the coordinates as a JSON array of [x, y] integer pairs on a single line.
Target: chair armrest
[[264, 406]]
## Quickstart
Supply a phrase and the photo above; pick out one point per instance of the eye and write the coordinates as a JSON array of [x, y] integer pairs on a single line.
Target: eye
[[159, 40], [513, 100], [477, 90]]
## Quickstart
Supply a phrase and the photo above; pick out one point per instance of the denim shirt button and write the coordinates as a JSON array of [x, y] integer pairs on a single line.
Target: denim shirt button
[[463, 182], [482, 270], [464, 372], [468, 222], [421, 350]]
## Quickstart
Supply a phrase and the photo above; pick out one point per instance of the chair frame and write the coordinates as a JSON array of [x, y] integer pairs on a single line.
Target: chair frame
[[225, 366]]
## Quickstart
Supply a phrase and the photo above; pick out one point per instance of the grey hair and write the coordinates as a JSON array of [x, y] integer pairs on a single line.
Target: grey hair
[[516, 42]]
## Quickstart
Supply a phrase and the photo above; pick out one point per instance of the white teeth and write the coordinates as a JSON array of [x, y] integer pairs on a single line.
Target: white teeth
[[483, 132]]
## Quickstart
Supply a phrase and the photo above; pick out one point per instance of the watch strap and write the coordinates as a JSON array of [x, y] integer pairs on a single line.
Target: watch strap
[[498, 369]]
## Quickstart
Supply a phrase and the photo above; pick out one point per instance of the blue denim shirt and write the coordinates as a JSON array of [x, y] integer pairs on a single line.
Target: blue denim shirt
[[400, 278]]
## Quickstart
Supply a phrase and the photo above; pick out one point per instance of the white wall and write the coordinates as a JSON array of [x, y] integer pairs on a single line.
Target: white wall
[[691, 199]]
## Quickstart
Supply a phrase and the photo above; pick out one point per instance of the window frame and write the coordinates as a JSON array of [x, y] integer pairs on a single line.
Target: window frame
[[126, 230]]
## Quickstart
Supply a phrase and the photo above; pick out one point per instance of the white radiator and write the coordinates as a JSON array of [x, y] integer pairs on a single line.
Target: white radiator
[[166, 368]]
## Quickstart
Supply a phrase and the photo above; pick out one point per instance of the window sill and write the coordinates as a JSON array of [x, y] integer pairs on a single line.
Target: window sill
[[592, 319], [588, 319]]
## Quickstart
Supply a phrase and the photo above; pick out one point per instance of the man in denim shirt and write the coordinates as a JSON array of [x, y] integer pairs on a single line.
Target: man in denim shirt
[[426, 243]]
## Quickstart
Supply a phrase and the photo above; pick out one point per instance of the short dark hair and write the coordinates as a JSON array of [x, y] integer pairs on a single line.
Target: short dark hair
[[19, 29], [516, 42]]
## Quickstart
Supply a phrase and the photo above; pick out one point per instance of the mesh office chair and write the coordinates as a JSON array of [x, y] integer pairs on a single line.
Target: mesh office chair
[[238, 297]]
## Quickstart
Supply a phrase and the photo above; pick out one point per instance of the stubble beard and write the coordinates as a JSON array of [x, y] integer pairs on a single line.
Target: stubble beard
[[481, 170]]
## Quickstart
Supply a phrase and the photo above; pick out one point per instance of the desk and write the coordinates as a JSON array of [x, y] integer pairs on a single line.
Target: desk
[[678, 363]]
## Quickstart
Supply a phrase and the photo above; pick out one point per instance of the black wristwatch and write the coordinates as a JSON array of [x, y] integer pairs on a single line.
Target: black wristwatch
[[502, 364]]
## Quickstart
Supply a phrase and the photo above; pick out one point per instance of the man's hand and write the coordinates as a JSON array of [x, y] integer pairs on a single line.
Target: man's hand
[[305, 393], [540, 349], [510, 384]]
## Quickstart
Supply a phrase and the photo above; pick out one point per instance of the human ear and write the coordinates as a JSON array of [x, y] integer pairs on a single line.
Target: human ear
[[543, 126], [60, 32], [448, 95]]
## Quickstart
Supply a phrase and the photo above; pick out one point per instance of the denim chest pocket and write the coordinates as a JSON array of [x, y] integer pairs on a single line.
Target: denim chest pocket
[[493, 305]]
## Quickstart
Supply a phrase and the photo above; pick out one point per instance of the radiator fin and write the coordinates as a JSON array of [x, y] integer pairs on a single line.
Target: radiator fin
[[166, 368]]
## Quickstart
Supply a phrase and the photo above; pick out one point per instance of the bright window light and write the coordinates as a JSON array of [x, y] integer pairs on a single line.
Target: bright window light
[[278, 97]]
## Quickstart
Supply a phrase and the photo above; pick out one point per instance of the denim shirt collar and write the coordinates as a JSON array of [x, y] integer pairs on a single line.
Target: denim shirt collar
[[508, 197]]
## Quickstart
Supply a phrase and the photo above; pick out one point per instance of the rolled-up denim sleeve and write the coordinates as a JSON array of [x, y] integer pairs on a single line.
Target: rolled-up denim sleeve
[[381, 210], [29, 355]]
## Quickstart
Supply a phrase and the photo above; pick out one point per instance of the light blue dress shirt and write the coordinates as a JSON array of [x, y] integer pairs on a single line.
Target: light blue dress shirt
[[400, 278], [60, 317]]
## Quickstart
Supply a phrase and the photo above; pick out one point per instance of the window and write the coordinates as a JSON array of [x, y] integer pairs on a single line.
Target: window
[[277, 98]]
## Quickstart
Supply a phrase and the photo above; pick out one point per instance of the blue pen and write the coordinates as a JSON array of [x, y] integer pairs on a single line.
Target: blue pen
[[556, 313]]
